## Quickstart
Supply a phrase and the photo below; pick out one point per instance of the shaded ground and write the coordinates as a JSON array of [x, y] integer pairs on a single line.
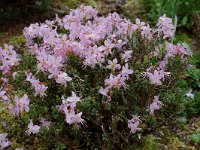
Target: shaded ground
[[10, 30], [16, 26]]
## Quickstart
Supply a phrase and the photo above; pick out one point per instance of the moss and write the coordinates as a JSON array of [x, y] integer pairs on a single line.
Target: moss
[[149, 143], [135, 9], [17, 40], [174, 143]]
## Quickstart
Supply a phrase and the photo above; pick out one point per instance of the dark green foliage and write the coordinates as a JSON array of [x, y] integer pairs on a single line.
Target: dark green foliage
[[10, 9], [195, 137], [183, 9], [188, 106]]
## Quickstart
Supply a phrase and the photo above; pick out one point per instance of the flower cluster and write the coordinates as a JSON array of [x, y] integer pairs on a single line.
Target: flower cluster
[[4, 142], [8, 58], [171, 51], [133, 124], [165, 27], [38, 86], [3, 95], [68, 108], [20, 105], [116, 81], [155, 105], [34, 129]]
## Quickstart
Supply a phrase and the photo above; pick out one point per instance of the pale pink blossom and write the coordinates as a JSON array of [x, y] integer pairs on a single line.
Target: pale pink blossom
[[20, 105], [73, 118], [68, 108], [139, 25], [104, 91], [34, 129], [127, 55], [107, 47], [133, 124], [189, 94], [165, 27], [126, 71], [73, 100], [147, 32], [63, 78], [155, 78], [19, 148], [45, 123], [38, 86], [3, 95], [155, 105], [113, 65], [14, 75], [4, 142]]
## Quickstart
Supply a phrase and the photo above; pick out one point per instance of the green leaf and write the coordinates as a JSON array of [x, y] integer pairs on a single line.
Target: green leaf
[[187, 47], [184, 20]]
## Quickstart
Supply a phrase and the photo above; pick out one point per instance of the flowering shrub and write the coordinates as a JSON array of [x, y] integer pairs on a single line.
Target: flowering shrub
[[85, 77]]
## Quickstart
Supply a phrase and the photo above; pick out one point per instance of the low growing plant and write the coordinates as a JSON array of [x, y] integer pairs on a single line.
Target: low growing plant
[[86, 81]]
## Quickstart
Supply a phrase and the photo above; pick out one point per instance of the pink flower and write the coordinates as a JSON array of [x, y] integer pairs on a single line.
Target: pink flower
[[113, 65], [14, 75], [107, 49], [28, 76], [19, 148], [127, 55], [5, 67], [4, 142], [40, 89], [42, 64], [3, 136], [19, 106], [189, 94], [126, 71], [74, 118], [4, 80], [73, 100], [63, 78], [8, 58], [181, 51], [155, 105], [120, 43], [24, 103], [155, 78], [133, 124], [111, 81], [38, 86], [104, 91], [3, 95], [34, 129], [45, 123], [165, 27], [162, 64], [138, 25], [68, 108]]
